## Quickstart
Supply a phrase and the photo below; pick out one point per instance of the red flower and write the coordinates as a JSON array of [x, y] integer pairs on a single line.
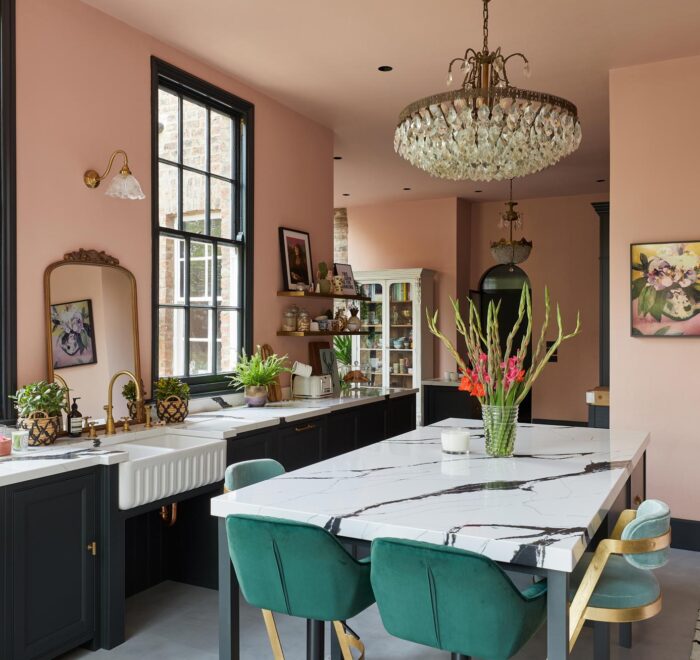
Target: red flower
[[465, 385], [478, 390]]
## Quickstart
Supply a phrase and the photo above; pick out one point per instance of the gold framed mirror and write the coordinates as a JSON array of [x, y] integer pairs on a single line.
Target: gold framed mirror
[[92, 329]]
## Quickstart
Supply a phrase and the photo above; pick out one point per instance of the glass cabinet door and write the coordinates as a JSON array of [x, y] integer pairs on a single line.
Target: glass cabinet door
[[371, 355], [400, 336]]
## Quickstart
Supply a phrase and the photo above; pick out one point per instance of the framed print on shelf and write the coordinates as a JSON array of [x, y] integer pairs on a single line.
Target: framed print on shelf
[[295, 249], [665, 280], [345, 271], [73, 334]]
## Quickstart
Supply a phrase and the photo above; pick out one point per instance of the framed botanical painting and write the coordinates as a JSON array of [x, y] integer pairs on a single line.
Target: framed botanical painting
[[666, 289], [73, 334], [345, 271], [295, 248]]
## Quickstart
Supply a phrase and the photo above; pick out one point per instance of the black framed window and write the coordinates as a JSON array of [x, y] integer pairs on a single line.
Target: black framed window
[[8, 277], [202, 220]]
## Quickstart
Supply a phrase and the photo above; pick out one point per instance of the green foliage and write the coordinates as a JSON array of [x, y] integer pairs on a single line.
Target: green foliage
[[323, 270], [129, 391], [48, 397], [342, 344], [255, 370], [165, 387]]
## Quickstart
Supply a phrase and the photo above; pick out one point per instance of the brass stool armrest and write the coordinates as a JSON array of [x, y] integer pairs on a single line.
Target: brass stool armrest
[[626, 517], [638, 546]]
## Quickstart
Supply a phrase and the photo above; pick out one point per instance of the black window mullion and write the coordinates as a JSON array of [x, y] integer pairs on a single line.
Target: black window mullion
[[207, 165], [215, 300], [187, 307], [180, 157], [237, 148]]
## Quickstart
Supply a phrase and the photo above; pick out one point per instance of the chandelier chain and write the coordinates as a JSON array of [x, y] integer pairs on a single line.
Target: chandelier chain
[[486, 26]]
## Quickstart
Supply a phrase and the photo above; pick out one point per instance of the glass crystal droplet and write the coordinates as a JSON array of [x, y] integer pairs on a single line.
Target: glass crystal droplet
[[527, 70], [449, 79]]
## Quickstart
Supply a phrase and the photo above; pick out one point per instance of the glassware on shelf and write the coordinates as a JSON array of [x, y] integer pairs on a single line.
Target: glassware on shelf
[[303, 321], [289, 319]]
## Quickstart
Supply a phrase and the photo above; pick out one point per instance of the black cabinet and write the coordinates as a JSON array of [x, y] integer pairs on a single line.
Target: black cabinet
[[400, 415], [443, 401], [298, 444], [50, 565], [250, 446], [371, 423], [340, 436]]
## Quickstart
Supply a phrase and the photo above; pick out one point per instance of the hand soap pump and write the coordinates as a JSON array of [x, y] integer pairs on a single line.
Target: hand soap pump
[[75, 420]]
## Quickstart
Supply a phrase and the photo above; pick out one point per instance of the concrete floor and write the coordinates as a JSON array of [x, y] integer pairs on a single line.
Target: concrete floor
[[178, 622]]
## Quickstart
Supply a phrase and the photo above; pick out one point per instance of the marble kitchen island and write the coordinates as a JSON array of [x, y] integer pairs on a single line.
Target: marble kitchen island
[[535, 512]]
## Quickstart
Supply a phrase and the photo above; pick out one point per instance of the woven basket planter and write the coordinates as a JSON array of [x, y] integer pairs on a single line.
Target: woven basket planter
[[43, 429], [172, 410]]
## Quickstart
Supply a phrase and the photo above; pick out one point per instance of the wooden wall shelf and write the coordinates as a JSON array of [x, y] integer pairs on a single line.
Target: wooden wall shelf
[[318, 333], [310, 294]]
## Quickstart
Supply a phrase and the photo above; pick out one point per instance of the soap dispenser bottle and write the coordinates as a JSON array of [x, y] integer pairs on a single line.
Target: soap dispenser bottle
[[75, 420]]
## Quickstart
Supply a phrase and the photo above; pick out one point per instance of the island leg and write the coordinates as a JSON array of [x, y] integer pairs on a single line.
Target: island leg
[[557, 615], [229, 609]]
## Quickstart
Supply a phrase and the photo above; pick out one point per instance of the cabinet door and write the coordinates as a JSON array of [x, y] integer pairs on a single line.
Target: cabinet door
[[53, 571], [371, 424], [250, 447], [298, 444], [401, 415], [369, 350], [401, 337], [340, 434]]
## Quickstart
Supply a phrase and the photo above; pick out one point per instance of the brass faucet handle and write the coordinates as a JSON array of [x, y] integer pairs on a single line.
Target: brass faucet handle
[[92, 433], [125, 421], [86, 423], [149, 411]]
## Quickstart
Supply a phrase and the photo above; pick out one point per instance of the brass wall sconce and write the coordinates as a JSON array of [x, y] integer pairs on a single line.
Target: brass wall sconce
[[124, 185]]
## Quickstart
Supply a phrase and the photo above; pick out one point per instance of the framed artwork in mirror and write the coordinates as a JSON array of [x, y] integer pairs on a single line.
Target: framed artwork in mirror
[[295, 249], [665, 281], [348, 279], [73, 334]]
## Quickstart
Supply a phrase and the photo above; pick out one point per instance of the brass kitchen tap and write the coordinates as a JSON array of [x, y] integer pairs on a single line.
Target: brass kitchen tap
[[110, 429]]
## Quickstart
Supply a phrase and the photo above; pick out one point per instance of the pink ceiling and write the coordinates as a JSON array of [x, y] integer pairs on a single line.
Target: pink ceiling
[[320, 57]]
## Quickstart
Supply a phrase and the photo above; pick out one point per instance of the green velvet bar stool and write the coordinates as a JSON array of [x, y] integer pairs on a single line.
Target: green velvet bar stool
[[247, 473], [453, 600], [301, 570], [615, 584]]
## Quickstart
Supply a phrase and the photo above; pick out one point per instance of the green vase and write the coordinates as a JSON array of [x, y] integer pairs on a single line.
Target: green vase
[[500, 429]]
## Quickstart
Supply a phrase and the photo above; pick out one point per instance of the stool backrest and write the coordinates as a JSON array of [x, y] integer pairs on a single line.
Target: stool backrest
[[653, 519], [451, 599], [246, 473], [296, 568]]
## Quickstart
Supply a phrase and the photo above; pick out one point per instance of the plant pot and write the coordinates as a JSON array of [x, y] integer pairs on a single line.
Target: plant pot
[[131, 407], [500, 429], [324, 286], [255, 396], [43, 429], [172, 410]]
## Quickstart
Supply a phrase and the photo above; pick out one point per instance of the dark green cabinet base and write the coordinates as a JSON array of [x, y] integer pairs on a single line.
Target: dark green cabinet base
[[442, 402]]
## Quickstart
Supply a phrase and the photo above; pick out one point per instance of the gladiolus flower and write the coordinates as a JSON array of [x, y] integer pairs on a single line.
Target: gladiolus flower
[[465, 385]]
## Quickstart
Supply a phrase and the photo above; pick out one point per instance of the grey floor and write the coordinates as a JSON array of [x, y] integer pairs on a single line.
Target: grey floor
[[177, 622]]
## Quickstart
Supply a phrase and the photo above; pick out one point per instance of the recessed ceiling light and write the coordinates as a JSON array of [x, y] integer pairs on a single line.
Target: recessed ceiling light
[[384, 68], [406, 188], [337, 158], [478, 191], [600, 180], [346, 194]]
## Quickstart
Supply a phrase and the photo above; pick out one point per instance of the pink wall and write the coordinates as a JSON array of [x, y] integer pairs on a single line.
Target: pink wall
[[654, 383], [83, 90], [564, 258], [416, 234]]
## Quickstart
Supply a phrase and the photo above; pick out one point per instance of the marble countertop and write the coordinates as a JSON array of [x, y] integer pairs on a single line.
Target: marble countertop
[[539, 508], [221, 423]]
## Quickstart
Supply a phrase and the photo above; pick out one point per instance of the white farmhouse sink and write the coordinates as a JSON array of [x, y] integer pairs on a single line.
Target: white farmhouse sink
[[165, 465]]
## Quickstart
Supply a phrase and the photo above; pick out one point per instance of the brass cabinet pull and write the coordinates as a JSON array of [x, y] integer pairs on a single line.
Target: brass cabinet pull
[[92, 548], [301, 429]]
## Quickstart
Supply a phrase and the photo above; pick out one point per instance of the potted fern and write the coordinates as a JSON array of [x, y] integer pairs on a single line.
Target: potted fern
[[39, 406], [172, 399], [254, 373]]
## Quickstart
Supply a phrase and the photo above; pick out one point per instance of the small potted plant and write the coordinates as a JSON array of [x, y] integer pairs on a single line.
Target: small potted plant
[[255, 373], [324, 284], [172, 399], [39, 406], [129, 393]]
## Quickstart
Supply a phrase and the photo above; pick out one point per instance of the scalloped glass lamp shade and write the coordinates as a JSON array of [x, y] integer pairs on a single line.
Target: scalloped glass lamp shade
[[125, 186]]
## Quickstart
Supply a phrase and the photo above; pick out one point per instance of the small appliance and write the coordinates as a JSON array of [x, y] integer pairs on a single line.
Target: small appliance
[[311, 387]]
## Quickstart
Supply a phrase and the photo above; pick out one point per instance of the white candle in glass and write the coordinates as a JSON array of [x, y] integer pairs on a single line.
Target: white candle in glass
[[455, 441]]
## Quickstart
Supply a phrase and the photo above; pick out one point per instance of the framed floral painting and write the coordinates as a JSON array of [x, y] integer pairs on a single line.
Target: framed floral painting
[[666, 289], [73, 334]]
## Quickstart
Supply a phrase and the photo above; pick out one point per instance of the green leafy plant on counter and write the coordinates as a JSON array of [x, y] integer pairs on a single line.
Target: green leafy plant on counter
[[47, 397], [129, 391], [342, 345], [254, 369], [165, 387]]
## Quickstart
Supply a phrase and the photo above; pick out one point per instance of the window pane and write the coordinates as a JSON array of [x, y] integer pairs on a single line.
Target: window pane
[[194, 201], [201, 278], [200, 344], [171, 271], [227, 275], [167, 195], [168, 111], [171, 342], [228, 341], [220, 208], [221, 136], [194, 135]]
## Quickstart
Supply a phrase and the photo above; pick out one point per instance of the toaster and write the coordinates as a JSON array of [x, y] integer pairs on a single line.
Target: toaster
[[312, 387]]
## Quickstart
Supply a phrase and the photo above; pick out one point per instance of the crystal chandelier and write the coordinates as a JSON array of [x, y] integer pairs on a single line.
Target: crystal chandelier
[[487, 129], [511, 252]]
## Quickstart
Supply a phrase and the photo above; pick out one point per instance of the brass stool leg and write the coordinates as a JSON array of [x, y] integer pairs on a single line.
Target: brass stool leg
[[273, 635], [346, 640]]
